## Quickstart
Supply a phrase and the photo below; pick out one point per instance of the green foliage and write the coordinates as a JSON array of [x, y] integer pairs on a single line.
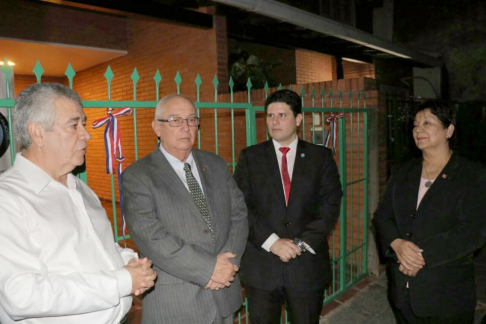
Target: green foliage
[[244, 65]]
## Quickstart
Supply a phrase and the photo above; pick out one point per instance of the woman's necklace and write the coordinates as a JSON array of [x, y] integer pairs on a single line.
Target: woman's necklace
[[429, 181]]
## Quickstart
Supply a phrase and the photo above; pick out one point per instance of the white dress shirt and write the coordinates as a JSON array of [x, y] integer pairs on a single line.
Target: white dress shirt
[[178, 167], [58, 259], [290, 168]]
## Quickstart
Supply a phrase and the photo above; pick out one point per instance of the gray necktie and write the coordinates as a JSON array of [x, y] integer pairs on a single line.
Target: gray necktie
[[198, 197]]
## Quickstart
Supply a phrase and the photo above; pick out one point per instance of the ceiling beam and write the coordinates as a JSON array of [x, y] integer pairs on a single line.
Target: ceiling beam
[[156, 10], [302, 18], [266, 37]]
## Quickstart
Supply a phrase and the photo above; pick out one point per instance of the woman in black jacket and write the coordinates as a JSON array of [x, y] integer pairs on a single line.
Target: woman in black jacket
[[430, 221]]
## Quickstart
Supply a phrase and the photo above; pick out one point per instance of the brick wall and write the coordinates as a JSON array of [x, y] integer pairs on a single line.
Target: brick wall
[[152, 45], [354, 70], [222, 52], [313, 67], [317, 67], [23, 81]]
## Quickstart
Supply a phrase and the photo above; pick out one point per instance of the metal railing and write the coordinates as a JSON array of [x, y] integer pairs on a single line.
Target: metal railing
[[349, 241]]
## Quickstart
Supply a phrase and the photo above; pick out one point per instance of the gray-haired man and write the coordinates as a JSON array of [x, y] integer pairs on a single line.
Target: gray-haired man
[[186, 213], [59, 262]]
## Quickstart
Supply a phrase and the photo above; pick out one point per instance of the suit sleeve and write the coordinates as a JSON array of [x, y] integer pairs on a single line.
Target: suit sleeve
[[238, 232], [168, 252], [328, 203], [468, 236], [260, 230], [384, 221]]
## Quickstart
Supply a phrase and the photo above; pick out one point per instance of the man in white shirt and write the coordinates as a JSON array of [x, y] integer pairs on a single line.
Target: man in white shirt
[[293, 195], [186, 213], [59, 262]]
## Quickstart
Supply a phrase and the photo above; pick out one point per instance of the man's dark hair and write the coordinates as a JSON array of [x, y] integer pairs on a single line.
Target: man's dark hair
[[443, 111], [289, 97]]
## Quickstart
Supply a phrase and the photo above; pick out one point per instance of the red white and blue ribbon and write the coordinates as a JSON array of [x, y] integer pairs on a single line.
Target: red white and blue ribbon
[[332, 134], [113, 148]]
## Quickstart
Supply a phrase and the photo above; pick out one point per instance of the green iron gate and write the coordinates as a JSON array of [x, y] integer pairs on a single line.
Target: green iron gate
[[349, 241]]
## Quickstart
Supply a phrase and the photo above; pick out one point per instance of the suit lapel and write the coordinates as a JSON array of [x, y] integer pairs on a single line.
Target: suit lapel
[[173, 183], [273, 173], [409, 190], [298, 172], [442, 182]]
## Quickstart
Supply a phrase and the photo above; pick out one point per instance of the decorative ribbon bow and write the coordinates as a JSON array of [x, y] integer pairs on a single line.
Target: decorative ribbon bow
[[332, 133], [113, 147]]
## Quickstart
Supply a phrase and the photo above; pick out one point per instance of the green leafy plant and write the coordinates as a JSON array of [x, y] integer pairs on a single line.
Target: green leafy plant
[[244, 65]]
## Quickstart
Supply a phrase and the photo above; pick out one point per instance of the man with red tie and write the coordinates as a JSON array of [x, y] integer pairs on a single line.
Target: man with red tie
[[293, 195]]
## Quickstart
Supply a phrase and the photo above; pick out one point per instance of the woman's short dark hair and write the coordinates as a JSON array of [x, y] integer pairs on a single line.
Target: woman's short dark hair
[[291, 98], [443, 111]]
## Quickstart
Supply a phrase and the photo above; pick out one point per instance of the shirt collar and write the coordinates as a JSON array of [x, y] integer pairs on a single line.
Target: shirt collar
[[72, 181], [292, 146], [36, 177], [175, 162]]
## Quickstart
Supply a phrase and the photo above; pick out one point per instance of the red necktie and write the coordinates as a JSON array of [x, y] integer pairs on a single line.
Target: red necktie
[[285, 173]]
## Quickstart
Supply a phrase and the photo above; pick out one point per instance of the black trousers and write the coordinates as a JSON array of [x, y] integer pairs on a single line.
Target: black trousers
[[303, 307], [406, 316]]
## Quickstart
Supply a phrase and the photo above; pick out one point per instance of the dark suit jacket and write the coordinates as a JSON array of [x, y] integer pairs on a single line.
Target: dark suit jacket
[[449, 226], [311, 214], [168, 228]]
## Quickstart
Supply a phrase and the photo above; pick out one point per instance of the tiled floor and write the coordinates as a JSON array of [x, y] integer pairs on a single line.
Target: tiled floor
[[135, 313], [369, 303], [366, 302]]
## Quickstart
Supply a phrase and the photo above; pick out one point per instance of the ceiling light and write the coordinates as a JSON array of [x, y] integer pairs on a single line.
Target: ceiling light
[[9, 63], [353, 60]]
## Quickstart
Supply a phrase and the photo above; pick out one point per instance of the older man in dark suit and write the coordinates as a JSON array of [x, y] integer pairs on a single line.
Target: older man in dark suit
[[293, 195], [185, 211]]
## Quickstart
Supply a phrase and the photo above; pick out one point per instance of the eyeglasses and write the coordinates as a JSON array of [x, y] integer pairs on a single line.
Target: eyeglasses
[[178, 121]]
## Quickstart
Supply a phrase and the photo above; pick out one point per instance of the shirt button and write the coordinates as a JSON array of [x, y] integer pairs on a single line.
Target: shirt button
[[287, 224], [413, 215], [409, 235], [206, 231]]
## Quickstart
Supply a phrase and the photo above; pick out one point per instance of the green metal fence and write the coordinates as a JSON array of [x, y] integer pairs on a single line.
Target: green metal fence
[[349, 260], [349, 241]]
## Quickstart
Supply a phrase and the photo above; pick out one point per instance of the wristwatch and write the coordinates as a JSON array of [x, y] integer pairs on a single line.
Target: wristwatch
[[303, 246]]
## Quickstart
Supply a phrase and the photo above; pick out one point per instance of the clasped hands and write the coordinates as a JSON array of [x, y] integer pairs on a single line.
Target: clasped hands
[[143, 276], [409, 256], [224, 272], [285, 249]]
